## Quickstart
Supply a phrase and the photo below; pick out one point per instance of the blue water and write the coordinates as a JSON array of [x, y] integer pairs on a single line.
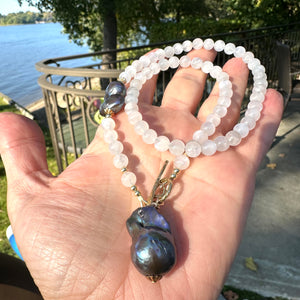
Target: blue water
[[21, 46]]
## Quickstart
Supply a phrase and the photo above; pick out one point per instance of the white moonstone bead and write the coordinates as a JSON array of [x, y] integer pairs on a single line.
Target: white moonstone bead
[[141, 127], [134, 117], [147, 73], [242, 129], [116, 147], [132, 92], [209, 148], [224, 101], [153, 57], [184, 61], [208, 44], [216, 71], [130, 70], [233, 138], [247, 56], [253, 113], [249, 121], [141, 77], [130, 107], [207, 66], [239, 51], [222, 143], [208, 127], [176, 147], [178, 48], [136, 84], [222, 76], [145, 60], [124, 76], [257, 96], [200, 136], [226, 92], [225, 84], [181, 162], [164, 64], [149, 136], [192, 149], [128, 179], [160, 54], [229, 48], [131, 99], [187, 46], [138, 65], [219, 45], [255, 104], [197, 43], [169, 51], [120, 161], [108, 123], [220, 110], [155, 68], [174, 62], [213, 118], [254, 62], [110, 136], [162, 143], [197, 63]]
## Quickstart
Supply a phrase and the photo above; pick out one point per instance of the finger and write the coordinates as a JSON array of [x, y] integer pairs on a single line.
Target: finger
[[22, 147], [238, 75], [185, 90], [260, 139]]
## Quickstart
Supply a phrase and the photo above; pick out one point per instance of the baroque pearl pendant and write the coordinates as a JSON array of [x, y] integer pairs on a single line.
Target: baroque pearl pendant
[[153, 250]]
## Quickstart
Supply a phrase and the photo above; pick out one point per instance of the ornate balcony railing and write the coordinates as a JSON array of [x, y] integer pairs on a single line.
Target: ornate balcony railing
[[72, 95]]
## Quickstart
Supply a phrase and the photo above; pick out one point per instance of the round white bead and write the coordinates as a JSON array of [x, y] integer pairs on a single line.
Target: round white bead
[[242, 129], [216, 71], [192, 149], [225, 84], [136, 84], [213, 118], [249, 121], [208, 127], [141, 127], [184, 61], [116, 147], [200, 136], [131, 99], [229, 48], [132, 92], [233, 138], [197, 43], [247, 56], [134, 117], [220, 110], [147, 73], [155, 68], [108, 123], [130, 107], [138, 65], [224, 101], [209, 148], [169, 51], [196, 63], [160, 53], [239, 51], [222, 76], [219, 45], [145, 60], [176, 147], [110, 136], [162, 143], [208, 44], [124, 76], [164, 64], [128, 179], [255, 104], [120, 161], [130, 70], [257, 96], [253, 113], [207, 66], [187, 46], [226, 92], [222, 143], [178, 48], [149, 136], [181, 162], [174, 62]]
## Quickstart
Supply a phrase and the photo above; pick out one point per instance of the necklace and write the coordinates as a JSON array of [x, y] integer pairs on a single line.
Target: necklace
[[153, 250]]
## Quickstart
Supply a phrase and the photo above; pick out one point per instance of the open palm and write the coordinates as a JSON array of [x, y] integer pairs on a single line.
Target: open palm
[[71, 229]]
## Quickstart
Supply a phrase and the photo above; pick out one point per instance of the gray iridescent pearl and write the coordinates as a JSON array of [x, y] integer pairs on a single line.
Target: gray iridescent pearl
[[115, 87], [114, 103], [153, 249]]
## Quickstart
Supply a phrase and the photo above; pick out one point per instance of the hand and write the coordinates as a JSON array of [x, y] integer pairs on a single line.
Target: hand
[[71, 229]]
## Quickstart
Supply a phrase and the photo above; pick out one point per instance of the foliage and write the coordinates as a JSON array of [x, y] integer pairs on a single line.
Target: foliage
[[25, 18]]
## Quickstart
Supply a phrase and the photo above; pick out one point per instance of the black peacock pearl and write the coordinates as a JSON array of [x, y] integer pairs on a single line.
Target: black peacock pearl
[[115, 87], [114, 103], [153, 249]]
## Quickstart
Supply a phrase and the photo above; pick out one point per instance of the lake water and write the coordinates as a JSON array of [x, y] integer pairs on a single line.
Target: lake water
[[21, 46]]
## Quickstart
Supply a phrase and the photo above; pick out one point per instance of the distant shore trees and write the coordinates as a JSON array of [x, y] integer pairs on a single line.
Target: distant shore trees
[[26, 18]]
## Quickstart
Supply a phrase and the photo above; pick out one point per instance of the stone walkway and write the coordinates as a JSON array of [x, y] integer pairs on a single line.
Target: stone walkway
[[271, 242]]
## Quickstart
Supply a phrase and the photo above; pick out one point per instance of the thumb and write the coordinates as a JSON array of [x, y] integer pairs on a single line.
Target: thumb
[[22, 148]]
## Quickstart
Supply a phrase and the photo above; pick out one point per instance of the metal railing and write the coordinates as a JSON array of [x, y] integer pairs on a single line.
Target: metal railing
[[72, 95]]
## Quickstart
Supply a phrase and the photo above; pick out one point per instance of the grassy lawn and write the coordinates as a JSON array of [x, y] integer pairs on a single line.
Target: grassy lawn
[[229, 292]]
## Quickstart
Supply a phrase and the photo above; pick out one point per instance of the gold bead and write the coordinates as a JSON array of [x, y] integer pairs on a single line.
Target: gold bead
[[133, 188], [123, 170]]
